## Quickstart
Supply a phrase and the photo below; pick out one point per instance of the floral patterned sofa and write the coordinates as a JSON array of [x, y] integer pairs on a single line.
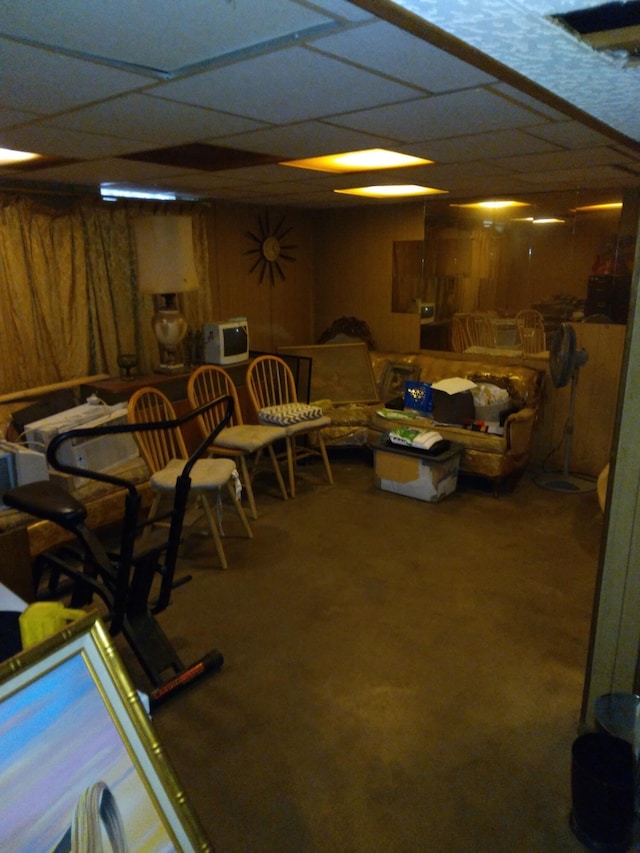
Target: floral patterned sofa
[[499, 458]]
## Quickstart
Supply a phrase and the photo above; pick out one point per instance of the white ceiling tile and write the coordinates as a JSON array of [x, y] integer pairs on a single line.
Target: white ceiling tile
[[528, 101], [586, 157], [465, 112], [398, 54], [343, 9], [289, 85], [107, 170], [10, 118], [52, 141], [152, 34], [569, 134], [472, 147], [149, 118], [306, 139], [39, 81], [602, 176]]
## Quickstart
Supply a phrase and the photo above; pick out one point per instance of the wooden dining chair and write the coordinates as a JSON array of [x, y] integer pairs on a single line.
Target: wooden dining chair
[[165, 453], [531, 331], [480, 330], [272, 390], [460, 339], [243, 442]]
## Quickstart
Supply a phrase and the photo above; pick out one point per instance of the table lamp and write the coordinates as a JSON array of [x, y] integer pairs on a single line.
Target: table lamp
[[166, 267]]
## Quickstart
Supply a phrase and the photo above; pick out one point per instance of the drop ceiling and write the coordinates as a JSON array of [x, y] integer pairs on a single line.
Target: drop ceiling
[[206, 97]]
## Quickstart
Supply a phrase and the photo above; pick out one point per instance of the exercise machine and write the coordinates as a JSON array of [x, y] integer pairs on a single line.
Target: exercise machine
[[123, 578]]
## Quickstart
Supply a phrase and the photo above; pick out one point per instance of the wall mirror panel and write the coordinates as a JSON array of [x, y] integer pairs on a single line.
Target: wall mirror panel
[[567, 254]]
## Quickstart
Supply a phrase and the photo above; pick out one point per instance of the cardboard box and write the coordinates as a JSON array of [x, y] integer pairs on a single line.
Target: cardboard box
[[414, 473], [453, 408]]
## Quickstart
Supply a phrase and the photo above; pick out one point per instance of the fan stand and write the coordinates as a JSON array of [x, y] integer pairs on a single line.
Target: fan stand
[[563, 481]]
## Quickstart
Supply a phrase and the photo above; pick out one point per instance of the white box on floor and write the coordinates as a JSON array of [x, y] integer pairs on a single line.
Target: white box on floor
[[414, 473]]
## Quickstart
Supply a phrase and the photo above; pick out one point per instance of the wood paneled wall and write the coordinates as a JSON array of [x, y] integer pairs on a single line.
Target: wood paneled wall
[[278, 314], [595, 405], [353, 270]]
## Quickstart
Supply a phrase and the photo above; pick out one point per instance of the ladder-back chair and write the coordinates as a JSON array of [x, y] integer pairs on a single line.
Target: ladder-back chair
[[480, 330], [272, 390], [165, 452], [531, 331], [460, 339], [237, 440]]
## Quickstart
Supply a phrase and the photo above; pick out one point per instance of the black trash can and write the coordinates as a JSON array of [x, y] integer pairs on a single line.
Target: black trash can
[[602, 792]]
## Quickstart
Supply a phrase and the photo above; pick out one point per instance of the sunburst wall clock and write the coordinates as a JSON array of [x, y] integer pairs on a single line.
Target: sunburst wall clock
[[270, 249]]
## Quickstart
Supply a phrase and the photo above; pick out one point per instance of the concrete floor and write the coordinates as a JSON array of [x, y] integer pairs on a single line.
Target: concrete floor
[[399, 676]]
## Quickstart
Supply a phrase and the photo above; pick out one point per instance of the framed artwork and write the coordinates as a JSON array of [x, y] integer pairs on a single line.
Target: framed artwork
[[81, 768], [341, 373]]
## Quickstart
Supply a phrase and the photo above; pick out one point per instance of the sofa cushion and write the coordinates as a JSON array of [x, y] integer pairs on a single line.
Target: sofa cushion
[[523, 383], [287, 414]]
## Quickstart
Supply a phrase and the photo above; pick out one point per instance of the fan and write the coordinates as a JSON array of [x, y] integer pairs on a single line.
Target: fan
[[565, 362]]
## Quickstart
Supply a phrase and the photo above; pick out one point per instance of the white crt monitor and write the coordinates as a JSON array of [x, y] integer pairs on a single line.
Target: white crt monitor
[[226, 341]]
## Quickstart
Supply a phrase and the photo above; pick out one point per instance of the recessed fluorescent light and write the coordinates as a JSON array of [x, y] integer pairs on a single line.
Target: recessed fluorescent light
[[8, 156], [610, 205], [391, 191], [358, 161], [495, 204], [547, 220], [109, 192]]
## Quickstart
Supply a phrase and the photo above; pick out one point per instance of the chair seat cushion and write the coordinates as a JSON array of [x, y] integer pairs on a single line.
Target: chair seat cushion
[[205, 474], [307, 426], [287, 414], [249, 437]]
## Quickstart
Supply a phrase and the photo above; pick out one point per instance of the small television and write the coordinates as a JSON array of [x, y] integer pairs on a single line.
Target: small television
[[427, 311], [226, 341]]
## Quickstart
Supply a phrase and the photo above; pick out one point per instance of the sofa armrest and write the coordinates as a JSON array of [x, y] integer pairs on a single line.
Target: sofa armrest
[[518, 431]]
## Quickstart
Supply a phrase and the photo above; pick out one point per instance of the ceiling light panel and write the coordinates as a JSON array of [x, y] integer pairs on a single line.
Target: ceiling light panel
[[391, 191], [358, 161], [9, 156]]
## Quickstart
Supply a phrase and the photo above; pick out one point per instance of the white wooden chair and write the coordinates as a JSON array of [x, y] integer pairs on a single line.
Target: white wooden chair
[[239, 441], [272, 390], [165, 453]]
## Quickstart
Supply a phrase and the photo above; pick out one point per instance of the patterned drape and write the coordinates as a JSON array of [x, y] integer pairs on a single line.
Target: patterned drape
[[68, 273]]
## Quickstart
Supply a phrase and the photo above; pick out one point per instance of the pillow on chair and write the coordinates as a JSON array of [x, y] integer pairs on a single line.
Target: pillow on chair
[[287, 414]]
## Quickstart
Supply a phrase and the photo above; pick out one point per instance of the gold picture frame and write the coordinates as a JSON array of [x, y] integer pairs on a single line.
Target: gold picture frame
[[81, 767]]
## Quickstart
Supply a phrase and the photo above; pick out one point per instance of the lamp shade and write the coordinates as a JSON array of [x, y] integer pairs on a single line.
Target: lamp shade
[[164, 249]]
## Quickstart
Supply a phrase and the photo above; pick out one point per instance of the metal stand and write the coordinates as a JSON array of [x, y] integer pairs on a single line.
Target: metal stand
[[564, 481]]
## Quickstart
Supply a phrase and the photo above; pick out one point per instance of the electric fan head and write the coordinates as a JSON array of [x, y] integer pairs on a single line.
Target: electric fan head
[[565, 358]]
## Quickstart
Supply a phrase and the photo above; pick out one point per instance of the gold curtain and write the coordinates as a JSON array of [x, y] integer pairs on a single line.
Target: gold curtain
[[67, 269]]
